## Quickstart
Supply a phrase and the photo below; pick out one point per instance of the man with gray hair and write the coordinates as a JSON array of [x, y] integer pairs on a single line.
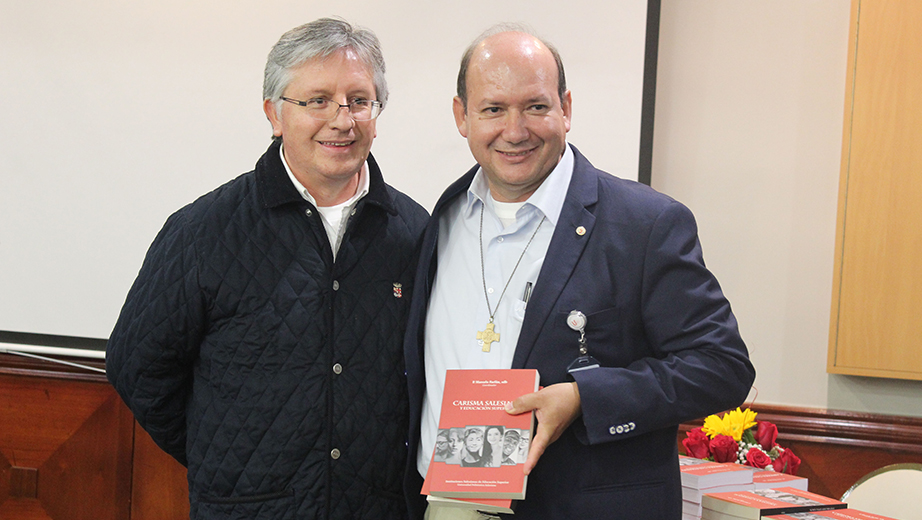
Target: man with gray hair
[[260, 345]]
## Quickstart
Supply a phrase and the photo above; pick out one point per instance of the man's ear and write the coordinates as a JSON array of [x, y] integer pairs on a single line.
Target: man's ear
[[457, 106], [273, 116], [566, 104]]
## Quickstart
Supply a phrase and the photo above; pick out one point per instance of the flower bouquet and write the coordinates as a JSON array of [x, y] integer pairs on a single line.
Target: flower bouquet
[[738, 437]]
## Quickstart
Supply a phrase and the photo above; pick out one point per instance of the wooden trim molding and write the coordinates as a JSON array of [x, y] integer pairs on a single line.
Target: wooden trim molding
[[11, 364], [887, 432], [839, 447]]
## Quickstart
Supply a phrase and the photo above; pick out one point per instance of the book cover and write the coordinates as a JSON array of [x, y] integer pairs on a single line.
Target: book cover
[[768, 479], [755, 504], [841, 514], [485, 505], [701, 474], [490, 461]]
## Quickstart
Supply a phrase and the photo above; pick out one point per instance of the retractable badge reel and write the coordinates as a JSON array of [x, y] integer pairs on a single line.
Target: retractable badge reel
[[577, 321]]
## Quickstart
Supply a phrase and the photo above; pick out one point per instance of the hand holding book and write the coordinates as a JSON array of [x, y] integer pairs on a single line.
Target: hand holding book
[[556, 407], [487, 465]]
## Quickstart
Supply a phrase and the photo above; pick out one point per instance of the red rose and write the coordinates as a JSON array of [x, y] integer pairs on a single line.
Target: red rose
[[724, 448], [696, 444], [766, 434], [757, 458], [787, 462]]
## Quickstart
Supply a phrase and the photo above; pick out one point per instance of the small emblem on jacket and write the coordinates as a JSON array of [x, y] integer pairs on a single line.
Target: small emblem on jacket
[[398, 290]]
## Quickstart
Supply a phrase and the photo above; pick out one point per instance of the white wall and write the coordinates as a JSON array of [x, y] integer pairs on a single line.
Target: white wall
[[748, 134], [115, 114]]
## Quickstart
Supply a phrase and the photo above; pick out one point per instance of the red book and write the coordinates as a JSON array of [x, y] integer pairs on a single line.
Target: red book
[[491, 461], [768, 479], [702, 474], [753, 505], [841, 514], [486, 505]]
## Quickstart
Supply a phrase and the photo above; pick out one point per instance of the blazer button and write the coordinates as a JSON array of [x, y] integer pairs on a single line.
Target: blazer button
[[308, 212], [337, 369], [335, 285], [335, 454]]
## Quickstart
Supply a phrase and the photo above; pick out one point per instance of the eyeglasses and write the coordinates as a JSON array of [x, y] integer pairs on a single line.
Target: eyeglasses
[[326, 110]]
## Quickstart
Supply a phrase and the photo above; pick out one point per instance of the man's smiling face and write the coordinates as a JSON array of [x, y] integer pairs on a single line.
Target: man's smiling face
[[515, 122], [319, 151]]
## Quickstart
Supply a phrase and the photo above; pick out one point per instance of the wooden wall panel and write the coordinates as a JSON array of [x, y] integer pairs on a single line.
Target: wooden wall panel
[[877, 279], [161, 491], [837, 447], [65, 450], [71, 450]]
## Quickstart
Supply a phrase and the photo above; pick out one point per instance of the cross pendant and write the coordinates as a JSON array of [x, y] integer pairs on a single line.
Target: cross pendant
[[487, 336]]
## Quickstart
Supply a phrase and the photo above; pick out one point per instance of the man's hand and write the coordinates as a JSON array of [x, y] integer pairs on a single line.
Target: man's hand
[[556, 407]]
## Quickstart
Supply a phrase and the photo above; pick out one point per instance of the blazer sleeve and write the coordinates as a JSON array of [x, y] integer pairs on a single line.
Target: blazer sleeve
[[150, 354], [694, 363]]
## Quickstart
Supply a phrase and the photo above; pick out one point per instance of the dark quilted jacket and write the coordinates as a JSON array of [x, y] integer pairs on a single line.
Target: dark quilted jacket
[[273, 373]]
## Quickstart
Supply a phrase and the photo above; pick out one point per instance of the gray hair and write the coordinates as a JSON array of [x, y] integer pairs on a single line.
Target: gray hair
[[502, 28], [319, 39]]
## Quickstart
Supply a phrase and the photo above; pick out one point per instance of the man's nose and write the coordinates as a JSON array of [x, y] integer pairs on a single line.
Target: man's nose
[[515, 129], [343, 119]]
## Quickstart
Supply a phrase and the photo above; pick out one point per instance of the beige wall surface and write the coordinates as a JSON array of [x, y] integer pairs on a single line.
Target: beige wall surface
[[748, 134]]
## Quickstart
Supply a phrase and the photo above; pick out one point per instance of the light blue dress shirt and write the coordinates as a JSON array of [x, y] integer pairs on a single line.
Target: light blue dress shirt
[[457, 305]]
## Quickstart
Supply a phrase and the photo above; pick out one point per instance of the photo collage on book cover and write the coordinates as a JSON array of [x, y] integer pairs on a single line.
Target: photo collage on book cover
[[482, 446]]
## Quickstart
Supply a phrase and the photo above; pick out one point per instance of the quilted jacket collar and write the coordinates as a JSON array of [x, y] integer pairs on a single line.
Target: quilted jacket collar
[[275, 188]]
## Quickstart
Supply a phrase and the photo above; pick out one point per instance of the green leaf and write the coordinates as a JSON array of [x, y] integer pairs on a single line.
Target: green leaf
[[749, 437]]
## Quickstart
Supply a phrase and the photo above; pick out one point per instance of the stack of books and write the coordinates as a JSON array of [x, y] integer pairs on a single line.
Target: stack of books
[[768, 479], [486, 471], [841, 514], [701, 476], [756, 504]]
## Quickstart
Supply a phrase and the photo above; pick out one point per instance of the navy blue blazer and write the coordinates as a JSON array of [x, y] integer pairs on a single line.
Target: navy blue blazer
[[669, 347]]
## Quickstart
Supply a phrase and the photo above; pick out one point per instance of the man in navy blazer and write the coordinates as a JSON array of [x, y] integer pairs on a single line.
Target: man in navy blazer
[[661, 345]]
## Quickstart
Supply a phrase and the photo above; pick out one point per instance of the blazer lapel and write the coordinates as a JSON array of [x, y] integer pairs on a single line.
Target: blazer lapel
[[570, 237]]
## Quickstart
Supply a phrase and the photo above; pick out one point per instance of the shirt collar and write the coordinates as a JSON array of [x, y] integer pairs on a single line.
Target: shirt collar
[[548, 198], [362, 190]]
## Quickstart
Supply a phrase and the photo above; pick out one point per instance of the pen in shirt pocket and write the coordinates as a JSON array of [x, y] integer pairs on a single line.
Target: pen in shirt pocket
[[527, 294]]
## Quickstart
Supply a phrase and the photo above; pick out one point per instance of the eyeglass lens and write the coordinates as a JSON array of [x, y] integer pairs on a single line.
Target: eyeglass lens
[[362, 110]]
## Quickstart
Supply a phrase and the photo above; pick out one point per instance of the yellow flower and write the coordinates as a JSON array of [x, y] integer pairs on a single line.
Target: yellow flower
[[713, 426], [740, 421], [732, 424]]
